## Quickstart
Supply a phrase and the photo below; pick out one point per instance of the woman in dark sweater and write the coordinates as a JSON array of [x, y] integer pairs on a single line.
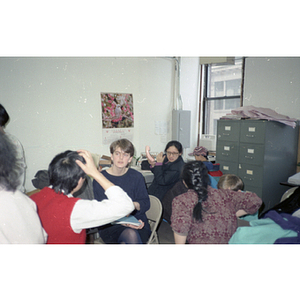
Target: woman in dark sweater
[[133, 183], [166, 169]]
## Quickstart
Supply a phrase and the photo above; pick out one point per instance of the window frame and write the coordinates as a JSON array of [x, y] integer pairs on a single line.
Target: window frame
[[203, 95]]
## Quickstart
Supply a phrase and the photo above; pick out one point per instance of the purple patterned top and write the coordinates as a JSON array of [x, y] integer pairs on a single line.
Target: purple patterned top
[[219, 219]]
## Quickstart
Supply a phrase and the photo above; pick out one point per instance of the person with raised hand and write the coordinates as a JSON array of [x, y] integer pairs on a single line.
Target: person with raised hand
[[64, 217]]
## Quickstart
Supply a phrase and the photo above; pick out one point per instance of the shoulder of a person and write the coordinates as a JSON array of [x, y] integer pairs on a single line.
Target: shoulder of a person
[[134, 172], [180, 161], [13, 138], [190, 194], [104, 172], [218, 192], [227, 194], [177, 163]]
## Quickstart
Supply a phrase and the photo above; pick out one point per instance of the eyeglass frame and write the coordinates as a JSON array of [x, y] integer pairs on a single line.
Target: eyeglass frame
[[172, 153]]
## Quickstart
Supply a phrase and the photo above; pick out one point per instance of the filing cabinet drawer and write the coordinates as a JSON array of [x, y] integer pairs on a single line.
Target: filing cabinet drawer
[[251, 175], [252, 132], [228, 131], [254, 189], [251, 154], [266, 155], [227, 151], [228, 167]]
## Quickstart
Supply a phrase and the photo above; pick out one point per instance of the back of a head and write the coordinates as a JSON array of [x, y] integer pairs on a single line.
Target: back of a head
[[125, 146], [195, 173], [4, 117], [64, 172], [195, 176], [230, 181], [9, 169]]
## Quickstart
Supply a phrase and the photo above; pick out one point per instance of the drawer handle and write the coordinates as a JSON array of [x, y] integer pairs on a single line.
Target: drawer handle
[[248, 178], [225, 154], [250, 135], [226, 134], [249, 157]]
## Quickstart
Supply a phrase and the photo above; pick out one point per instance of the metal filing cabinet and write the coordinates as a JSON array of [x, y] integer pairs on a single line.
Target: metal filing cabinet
[[262, 153], [228, 145]]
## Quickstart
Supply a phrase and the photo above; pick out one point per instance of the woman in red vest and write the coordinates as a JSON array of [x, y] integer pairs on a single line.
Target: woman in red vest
[[64, 217]]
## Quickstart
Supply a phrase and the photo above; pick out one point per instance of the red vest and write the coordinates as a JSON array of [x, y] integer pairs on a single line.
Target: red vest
[[55, 213]]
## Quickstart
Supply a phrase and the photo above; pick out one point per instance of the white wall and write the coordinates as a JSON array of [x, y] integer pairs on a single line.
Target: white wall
[[273, 82], [189, 87], [54, 103]]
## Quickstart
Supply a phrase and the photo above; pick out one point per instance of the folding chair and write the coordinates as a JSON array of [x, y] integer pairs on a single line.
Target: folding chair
[[154, 217]]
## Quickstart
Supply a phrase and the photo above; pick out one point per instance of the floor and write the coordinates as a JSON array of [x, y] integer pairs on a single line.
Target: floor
[[165, 233]]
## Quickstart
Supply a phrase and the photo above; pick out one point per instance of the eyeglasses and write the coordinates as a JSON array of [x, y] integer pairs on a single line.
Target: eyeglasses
[[172, 153], [124, 154]]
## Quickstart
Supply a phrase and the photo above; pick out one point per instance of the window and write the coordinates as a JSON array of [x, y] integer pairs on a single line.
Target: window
[[222, 92]]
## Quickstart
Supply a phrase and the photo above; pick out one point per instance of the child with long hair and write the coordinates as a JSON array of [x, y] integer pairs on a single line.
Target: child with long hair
[[204, 215]]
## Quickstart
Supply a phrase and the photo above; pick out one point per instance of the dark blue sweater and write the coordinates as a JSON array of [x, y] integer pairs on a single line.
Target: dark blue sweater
[[133, 183]]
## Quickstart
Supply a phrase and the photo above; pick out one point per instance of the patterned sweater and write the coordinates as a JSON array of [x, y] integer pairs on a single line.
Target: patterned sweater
[[219, 218]]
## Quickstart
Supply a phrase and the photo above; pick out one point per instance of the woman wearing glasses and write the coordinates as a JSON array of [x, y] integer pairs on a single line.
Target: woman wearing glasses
[[166, 169]]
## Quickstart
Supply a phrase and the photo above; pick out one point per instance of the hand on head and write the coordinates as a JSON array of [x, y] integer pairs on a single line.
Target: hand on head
[[89, 167]]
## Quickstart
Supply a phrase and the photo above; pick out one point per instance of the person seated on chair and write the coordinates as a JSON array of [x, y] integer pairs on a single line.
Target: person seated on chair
[[234, 183], [166, 168], [4, 119], [204, 215], [64, 217], [176, 190], [20, 223], [133, 183], [201, 154]]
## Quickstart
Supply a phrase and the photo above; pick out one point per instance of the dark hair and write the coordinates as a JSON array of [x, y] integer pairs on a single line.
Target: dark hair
[[9, 169], [4, 117], [125, 146], [64, 172], [195, 176], [176, 144], [230, 181]]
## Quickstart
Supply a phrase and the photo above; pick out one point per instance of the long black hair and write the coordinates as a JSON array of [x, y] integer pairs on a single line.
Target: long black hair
[[195, 176]]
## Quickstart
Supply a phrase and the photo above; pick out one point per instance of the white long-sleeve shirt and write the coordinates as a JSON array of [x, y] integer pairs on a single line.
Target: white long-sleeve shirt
[[19, 221], [92, 213]]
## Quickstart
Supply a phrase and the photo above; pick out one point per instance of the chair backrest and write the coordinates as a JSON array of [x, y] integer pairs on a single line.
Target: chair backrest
[[288, 193], [154, 217]]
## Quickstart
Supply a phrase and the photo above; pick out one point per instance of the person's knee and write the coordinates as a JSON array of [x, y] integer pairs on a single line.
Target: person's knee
[[130, 236]]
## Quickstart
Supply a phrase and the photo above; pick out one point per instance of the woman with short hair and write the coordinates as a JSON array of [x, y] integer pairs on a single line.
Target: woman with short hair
[[133, 183]]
